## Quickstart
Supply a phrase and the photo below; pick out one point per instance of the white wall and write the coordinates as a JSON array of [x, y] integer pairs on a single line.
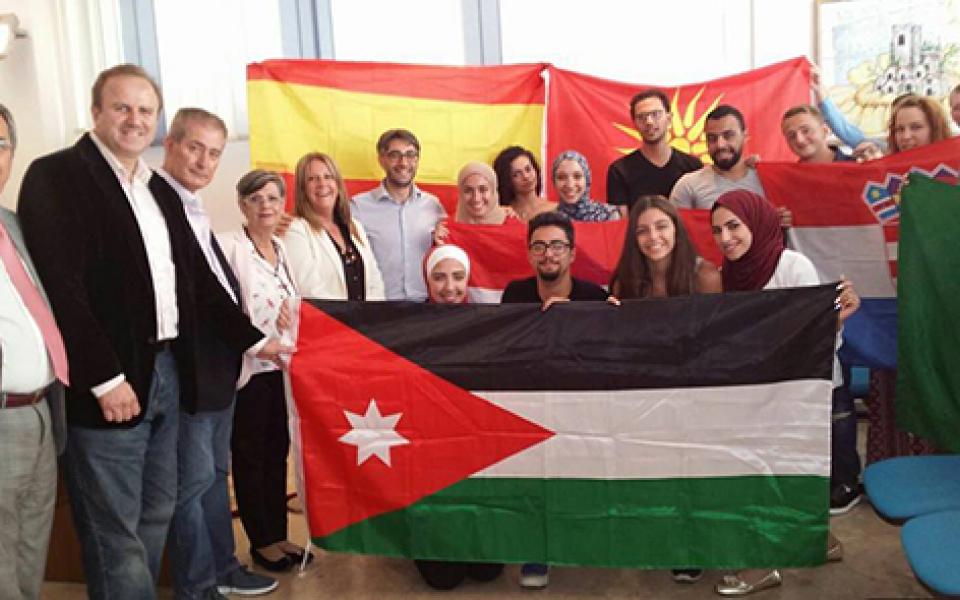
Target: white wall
[[645, 42]]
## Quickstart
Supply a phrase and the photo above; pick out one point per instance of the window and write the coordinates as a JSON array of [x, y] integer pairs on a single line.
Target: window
[[424, 31], [201, 49]]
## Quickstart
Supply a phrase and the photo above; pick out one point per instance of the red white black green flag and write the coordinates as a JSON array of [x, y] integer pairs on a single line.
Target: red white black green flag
[[661, 433]]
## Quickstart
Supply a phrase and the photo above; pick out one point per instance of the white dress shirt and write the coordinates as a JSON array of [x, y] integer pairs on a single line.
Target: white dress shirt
[[156, 241], [26, 367], [200, 223]]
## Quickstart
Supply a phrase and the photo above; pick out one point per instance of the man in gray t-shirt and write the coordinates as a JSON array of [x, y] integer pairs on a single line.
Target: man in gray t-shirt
[[726, 135]]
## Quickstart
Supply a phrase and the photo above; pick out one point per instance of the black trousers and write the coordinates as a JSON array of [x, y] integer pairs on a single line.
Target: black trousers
[[259, 447]]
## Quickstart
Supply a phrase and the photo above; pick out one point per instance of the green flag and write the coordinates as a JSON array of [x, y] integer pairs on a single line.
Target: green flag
[[928, 291]]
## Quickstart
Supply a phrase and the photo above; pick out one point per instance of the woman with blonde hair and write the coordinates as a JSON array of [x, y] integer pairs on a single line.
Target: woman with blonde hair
[[330, 254], [915, 121]]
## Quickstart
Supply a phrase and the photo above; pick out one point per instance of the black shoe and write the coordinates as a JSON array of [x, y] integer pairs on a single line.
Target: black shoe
[[484, 571], [686, 575], [297, 557], [442, 574], [843, 498], [277, 566]]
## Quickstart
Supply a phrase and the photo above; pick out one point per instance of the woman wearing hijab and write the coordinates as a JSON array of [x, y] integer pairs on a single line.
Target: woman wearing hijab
[[446, 270], [477, 198], [747, 229], [571, 178]]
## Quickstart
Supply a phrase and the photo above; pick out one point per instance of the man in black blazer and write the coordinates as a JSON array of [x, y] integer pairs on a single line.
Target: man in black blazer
[[204, 553], [130, 291]]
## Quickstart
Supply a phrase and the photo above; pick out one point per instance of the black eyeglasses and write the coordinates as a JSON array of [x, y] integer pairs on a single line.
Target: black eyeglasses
[[396, 155], [554, 246]]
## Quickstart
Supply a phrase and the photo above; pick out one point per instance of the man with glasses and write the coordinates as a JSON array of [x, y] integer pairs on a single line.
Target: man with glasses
[[202, 526], [550, 252], [655, 166], [399, 217]]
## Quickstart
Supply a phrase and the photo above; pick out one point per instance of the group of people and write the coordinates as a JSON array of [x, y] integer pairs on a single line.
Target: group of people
[[149, 350]]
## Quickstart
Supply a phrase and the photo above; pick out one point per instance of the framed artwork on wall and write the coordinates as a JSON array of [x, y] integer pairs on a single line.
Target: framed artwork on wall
[[871, 51]]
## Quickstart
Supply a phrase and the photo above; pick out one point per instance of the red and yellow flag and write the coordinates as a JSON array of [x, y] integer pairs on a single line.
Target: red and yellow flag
[[459, 114], [592, 115]]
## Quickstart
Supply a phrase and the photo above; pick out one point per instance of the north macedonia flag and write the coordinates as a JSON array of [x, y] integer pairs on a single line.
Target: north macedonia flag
[[592, 115], [459, 114]]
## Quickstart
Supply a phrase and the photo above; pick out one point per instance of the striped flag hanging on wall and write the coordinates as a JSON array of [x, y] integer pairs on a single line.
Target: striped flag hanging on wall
[[459, 114], [662, 433]]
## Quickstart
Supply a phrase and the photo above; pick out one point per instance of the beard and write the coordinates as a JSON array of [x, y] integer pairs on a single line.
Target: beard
[[726, 164], [548, 275]]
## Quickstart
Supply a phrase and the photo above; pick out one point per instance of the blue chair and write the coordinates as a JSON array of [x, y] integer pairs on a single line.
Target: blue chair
[[932, 545], [909, 486]]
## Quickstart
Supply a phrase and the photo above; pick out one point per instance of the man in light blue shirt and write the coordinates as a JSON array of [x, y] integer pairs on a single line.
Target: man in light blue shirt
[[399, 217]]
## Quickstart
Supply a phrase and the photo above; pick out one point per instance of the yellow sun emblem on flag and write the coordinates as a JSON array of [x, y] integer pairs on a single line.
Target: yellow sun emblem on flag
[[686, 126]]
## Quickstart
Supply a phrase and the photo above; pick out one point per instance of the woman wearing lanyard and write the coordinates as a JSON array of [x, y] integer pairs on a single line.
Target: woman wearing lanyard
[[260, 435]]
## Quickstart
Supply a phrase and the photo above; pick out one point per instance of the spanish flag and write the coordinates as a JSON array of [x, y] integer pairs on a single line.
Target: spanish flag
[[592, 115], [459, 114]]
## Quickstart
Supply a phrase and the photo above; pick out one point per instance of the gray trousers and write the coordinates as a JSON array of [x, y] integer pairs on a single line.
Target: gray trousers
[[28, 490]]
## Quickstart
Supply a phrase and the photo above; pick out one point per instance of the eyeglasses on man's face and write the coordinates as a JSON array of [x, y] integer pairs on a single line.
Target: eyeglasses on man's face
[[554, 246], [396, 155]]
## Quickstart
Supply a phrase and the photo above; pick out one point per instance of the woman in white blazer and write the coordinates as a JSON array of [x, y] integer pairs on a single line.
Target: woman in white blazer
[[330, 254], [260, 440]]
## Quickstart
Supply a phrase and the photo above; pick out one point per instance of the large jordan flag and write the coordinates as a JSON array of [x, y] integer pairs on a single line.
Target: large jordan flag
[[672, 432]]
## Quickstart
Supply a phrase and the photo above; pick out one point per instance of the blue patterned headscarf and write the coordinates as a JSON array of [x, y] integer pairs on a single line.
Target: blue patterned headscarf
[[583, 209], [580, 160]]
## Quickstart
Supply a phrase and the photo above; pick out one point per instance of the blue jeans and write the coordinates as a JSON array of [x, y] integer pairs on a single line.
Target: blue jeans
[[122, 486], [202, 530]]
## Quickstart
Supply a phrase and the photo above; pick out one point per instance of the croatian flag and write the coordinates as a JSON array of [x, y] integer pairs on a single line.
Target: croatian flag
[[847, 221]]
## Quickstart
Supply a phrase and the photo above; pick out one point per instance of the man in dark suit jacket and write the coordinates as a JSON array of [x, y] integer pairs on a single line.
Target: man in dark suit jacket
[[130, 290], [32, 426], [204, 553]]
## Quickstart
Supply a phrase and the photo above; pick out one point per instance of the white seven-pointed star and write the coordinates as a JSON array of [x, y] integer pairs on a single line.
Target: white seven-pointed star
[[373, 434]]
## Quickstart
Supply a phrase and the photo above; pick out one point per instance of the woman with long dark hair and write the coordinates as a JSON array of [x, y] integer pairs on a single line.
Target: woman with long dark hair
[[520, 182], [658, 258]]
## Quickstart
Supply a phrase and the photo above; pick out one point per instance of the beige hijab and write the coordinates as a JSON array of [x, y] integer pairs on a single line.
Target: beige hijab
[[496, 215]]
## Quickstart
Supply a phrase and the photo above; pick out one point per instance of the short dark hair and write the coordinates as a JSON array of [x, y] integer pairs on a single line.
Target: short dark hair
[[7, 116], [501, 166], [725, 110], [255, 180], [551, 218], [649, 93], [124, 70], [396, 134]]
